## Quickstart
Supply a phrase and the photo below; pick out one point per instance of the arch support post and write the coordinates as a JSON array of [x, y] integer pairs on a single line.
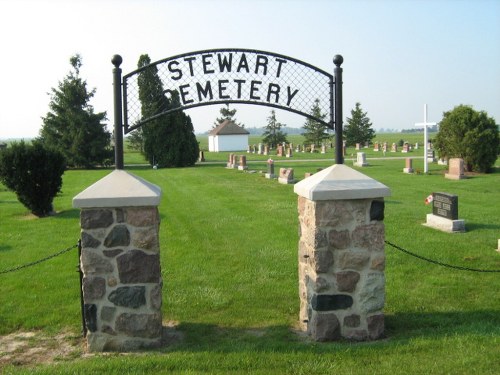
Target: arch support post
[[117, 98], [337, 73], [341, 255]]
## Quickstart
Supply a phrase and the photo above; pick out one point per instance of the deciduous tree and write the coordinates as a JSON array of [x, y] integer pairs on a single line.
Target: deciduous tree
[[470, 135], [34, 173]]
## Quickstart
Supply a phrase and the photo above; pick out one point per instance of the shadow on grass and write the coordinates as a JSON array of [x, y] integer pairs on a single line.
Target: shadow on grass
[[5, 247], [401, 328], [475, 226], [68, 214], [408, 325]]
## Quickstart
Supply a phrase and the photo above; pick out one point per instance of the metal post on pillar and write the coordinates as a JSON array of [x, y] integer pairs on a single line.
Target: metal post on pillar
[[117, 93], [339, 152]]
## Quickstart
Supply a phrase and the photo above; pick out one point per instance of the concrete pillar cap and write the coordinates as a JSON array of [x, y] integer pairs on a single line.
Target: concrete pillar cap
[[119, 189], [340, 182]]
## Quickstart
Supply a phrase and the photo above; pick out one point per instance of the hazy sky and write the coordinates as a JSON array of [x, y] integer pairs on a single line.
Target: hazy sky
[[398, 55]]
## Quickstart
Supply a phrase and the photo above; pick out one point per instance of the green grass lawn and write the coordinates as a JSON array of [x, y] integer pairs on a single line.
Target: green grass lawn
[[229, 267]]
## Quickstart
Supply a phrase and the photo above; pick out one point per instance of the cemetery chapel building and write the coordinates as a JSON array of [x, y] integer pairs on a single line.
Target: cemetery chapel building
[[228, 137]]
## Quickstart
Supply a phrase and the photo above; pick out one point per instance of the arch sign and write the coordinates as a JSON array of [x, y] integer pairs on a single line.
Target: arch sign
[[222, 76]]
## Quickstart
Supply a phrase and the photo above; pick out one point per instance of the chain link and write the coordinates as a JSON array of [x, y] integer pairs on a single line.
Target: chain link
[[39, 261], [437, 262]]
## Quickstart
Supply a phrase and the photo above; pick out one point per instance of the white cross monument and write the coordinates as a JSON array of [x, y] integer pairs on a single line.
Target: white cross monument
[[425, 124]]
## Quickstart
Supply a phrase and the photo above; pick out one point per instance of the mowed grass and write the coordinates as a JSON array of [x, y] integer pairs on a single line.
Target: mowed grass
[[229, 267]]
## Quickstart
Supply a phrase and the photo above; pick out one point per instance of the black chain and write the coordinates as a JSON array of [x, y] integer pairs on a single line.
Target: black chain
[[437, 262], [39, 261]]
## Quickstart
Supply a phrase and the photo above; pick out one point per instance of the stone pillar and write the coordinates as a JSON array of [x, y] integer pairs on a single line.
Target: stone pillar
[[120, 262], [341, 255]]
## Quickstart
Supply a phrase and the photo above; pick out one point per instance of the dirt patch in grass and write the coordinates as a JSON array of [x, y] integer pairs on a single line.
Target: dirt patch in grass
[[33, 348]]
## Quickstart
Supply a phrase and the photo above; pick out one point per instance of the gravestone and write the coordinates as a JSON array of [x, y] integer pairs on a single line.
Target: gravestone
[[270, 169], [384, 147], [456, 169], [442, 161], [249, 149], [202, 156], [358, 147], [323, 149], [408, 166], [230, 161], [243, 163], [445, 213], [289, 152], [312, 148], [361, 160], [431, 155], [394, 148], [416, 146], [260, 149], [279, 151], [376, 147], [286, 176], [266, 150], [406, 148]]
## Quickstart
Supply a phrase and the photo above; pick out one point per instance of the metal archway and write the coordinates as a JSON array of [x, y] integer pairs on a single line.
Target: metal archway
[[220, 76]]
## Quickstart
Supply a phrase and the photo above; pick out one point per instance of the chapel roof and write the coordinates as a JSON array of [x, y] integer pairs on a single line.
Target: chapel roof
[[228, 127]]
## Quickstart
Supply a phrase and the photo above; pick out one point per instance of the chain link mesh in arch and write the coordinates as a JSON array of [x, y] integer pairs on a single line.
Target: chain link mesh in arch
[[230, 76]]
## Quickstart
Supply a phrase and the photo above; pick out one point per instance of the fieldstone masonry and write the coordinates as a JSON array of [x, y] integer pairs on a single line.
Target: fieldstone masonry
[[341, 255], [120, 261]]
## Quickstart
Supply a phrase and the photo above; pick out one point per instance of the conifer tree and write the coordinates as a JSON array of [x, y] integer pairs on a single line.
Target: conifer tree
[[358, 128], [227, 114], [315, 131], [273, 134], [72, 127], [169, 140]]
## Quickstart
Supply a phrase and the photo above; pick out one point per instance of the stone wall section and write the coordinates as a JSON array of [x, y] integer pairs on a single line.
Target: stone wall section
[[341, 268], [122, 281]]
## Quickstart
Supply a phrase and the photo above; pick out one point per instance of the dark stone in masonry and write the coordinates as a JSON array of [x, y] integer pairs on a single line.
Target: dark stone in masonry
[[89, 241], [98, 218], [119, 236], [112, 253], [377, 210], [90, 316], [329, 302], [129, 296], [137, 267]]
